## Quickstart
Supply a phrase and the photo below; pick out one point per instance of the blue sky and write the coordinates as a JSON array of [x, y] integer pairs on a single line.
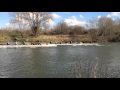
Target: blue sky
[[4, 18], [71, 18]]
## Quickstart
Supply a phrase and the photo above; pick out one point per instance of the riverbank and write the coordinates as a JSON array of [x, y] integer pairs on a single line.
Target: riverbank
[[47, 38], [10, 36]]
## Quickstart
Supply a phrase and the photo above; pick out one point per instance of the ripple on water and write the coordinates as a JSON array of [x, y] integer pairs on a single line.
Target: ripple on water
[[60, 61]]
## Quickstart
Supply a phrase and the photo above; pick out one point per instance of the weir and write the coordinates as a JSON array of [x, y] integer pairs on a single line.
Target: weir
[[31, 46], [48, 45]]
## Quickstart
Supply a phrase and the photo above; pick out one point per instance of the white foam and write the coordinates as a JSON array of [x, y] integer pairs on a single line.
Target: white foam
[[31, 46], [50, 45]]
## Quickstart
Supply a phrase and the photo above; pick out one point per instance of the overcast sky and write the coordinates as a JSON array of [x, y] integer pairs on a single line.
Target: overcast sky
[[71, 18]]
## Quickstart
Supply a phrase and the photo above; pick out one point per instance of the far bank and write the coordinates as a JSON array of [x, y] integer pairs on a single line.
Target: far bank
[[11, 36], [47, 38]]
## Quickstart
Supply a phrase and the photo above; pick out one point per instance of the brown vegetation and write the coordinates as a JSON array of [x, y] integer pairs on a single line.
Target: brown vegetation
[[99, 30]]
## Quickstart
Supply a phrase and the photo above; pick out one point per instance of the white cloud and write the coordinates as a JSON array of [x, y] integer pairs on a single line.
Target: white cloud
[[72, 21], [10, 26], [81, 16], [108, 16], [56, 16], [7, 24], [51, 23], [115, 13], [99, 17], [111, 15]]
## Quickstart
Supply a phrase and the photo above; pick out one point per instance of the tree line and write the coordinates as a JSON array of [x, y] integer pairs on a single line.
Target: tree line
[[102, 29]]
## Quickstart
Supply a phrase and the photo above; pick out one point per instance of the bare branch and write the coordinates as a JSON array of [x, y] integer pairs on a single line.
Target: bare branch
[[33, 20]]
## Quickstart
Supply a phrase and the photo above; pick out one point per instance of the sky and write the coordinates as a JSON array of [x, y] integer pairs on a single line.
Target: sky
[[71, 18]]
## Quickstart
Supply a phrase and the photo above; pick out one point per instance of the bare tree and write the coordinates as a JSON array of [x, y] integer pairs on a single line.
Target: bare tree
[[33, 20], [105, 25], [17, 21], [61, 27], [92, 23]]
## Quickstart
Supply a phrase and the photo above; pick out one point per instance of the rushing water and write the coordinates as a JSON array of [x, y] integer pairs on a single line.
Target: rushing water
[[61, 62]]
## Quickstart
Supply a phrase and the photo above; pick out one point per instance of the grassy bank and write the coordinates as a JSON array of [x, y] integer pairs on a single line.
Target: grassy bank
[[58, 38], [8, 35], [46, 38]]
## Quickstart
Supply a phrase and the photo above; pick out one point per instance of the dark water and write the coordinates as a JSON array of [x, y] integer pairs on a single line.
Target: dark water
[[61, 62]]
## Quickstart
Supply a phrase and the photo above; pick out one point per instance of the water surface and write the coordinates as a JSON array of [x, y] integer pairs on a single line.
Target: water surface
[[61, 62]]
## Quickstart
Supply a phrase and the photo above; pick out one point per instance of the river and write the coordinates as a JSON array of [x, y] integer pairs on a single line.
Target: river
[[61, 62]]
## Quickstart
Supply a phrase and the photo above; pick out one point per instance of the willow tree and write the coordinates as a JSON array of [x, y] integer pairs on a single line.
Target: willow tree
[[33, 20]]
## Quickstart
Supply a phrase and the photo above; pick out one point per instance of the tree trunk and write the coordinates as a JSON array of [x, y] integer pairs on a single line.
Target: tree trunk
[[21, 34], [34, 30]]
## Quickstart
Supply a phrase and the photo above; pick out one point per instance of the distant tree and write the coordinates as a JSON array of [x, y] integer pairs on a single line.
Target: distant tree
[[78, 30], [92, 23], [33, 20], [17, 21], [61, 27], [105, 26]]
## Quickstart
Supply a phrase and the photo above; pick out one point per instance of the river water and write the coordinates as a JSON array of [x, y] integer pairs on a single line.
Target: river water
[[61, 62]]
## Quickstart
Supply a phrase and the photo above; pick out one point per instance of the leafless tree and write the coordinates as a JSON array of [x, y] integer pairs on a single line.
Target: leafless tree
[[61, 27], [105, 26], [92, 23], [33, 20], [16, 20]]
